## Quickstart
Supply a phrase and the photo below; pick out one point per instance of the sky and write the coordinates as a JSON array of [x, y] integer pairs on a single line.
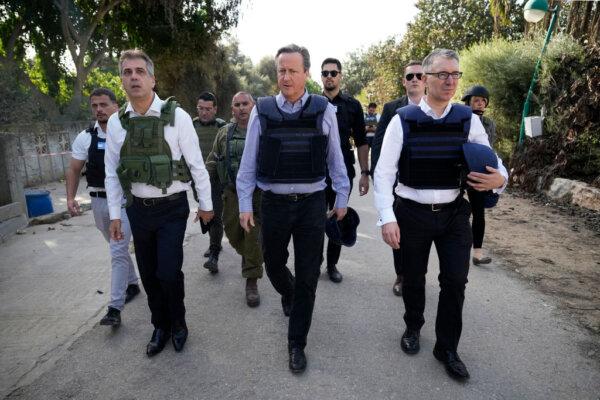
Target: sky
[[327, 28]]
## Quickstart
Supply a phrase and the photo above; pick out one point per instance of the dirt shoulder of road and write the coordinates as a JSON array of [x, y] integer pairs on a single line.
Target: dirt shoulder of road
[[556, 247]]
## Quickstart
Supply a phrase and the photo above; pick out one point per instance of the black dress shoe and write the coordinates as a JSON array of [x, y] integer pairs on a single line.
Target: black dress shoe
[[334, 274], [206, 253], [286, 304], [157, 342], [297, 360], [131, 292], [410, 341], [112, 317], [454, 365], [397, 288], [179, 336]]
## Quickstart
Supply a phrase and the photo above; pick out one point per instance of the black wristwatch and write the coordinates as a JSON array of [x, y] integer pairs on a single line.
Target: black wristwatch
[[365, 172]]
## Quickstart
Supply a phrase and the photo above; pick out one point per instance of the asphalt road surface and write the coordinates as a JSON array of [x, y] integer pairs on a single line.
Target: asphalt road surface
[[515, 342]]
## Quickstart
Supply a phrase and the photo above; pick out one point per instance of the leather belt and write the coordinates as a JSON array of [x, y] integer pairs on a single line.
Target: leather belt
[[431, 207], [98, 194], [289, 197], [154, 201]]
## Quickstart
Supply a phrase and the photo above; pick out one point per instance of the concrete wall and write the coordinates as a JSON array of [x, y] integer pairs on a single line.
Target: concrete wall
[[39, 153]]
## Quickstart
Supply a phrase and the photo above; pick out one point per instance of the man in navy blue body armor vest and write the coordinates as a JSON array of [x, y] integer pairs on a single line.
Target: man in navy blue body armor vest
[[88, 150], [423, 149], [292, 139]]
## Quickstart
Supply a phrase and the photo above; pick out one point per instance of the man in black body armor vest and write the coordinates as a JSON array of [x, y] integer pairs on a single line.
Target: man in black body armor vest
[[351, 124], [371, 121], [415, 90], [423, 148], [153, 157], [207, 125], [292, 139], [88, 150], [222, 164]]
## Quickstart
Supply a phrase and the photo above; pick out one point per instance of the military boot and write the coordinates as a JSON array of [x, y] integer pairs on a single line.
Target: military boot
[[252, 296], [212, 264]]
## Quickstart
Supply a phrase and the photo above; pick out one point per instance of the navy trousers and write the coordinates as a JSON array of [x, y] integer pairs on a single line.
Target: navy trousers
[[450, 230], [303, 221], [158, 232]]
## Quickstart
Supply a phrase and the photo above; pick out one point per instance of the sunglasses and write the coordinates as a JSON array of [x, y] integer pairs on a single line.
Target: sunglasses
[[409, 77], [333, 74]]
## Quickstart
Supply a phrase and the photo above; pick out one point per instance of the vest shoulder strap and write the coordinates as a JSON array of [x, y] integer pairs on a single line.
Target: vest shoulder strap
[[167, 111], [92, 129], [124, 116], [315, 105], [267, 107], [220, 122], [231, 131]]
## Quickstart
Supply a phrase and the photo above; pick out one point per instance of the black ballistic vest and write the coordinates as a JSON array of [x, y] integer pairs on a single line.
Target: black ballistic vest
[[432, 156], [94, 168], [292, 147]]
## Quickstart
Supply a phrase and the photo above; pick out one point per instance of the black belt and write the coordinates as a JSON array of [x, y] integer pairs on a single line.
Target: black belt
[[289, 197], [432, 207], [154, 201], [98, 194]]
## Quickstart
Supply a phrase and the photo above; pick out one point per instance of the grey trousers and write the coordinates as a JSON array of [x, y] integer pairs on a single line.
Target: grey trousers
[[122, 268]]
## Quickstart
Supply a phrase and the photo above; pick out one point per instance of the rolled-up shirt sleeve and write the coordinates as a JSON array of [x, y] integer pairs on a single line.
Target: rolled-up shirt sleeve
[[335, 159], [386, 170], [246, 177]]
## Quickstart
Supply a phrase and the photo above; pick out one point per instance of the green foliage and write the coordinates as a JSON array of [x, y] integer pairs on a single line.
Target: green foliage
[[105, 77], [313, 87]]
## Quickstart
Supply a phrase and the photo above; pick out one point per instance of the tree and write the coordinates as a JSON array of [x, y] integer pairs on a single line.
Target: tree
[[95, 30]]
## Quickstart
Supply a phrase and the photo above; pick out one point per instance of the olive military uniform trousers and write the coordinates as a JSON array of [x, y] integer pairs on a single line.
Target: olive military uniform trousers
[[247, 245], [215, 231]]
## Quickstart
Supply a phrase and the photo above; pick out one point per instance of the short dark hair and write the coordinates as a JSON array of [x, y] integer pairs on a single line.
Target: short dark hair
[[294, 48], [208, 96], [372, 105], [331, 60], [104, 92], [413, 62]]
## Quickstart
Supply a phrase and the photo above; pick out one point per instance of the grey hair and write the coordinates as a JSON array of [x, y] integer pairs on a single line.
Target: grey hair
[[438, 53], [294, 48], [136, 53], [240, 93]]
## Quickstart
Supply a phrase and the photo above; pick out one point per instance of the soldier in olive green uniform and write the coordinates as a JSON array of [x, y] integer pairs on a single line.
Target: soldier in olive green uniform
[[222, 165], [207, 126]]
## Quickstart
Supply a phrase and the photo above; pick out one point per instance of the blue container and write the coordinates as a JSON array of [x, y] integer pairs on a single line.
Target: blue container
[[38, 202]]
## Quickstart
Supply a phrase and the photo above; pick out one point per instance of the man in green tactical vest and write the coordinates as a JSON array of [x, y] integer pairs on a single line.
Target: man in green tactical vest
[[222, 165], [207, 126], [152, 157]]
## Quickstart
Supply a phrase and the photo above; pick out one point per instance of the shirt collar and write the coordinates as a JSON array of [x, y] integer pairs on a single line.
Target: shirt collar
[[153, 111], [280, 99], [99, 129], [429, 111]]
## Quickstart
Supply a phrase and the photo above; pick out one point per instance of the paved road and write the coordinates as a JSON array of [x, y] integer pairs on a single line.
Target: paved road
[[515, 343]]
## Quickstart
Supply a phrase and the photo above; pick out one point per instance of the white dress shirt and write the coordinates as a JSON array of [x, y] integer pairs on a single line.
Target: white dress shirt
[[181, 138], [81, 146], [387, 167]]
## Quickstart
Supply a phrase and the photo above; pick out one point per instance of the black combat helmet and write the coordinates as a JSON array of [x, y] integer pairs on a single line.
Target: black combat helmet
[[476, 90]]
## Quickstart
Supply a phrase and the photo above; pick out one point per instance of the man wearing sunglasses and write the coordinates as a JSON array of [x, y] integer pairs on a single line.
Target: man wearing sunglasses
[[415, 90], [351, 124], [422, 149]]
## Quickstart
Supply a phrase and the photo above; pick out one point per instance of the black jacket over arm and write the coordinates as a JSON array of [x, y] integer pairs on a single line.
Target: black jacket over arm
[[389, 110]]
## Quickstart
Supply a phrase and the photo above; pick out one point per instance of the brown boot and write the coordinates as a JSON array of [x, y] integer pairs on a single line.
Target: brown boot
[[252, 296]]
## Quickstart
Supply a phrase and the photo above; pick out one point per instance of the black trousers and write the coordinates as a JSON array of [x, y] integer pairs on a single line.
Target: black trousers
[[333, 250], [158, 233], [449, 229], [478, 225], [303, 221]]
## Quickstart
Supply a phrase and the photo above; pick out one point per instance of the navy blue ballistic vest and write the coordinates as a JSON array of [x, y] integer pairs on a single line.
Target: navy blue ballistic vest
[[94, 168], [432, 156], [292, 147]]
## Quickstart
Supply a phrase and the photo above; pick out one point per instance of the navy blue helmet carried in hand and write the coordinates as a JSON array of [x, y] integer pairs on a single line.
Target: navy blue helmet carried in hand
[[343, 232], [477, 157]]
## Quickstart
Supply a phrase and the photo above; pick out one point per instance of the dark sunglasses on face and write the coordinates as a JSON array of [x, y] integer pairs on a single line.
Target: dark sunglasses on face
[[333, 74], [409, 77]]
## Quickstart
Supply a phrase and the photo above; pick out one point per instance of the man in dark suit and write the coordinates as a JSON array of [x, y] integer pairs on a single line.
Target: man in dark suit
[[415, 90]]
